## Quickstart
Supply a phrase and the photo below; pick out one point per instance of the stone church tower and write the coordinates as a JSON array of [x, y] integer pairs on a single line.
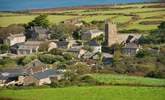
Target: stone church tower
[[111, 36]]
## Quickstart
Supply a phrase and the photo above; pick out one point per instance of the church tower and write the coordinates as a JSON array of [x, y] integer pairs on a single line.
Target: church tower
[[110, 33]]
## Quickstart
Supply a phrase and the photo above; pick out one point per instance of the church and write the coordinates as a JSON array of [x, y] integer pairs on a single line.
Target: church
[[129, 40]]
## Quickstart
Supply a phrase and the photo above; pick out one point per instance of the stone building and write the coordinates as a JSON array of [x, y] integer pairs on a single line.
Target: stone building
[[130, 49], [90, 34], [38, 33], [112, 36], [14, 39], [43, 77], [110, 33], [30, 47]]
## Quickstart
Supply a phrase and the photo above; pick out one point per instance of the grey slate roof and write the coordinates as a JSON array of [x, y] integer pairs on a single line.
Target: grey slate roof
[[46, 74], [93, 43], [11, 73], [38, 29], [131, 45]]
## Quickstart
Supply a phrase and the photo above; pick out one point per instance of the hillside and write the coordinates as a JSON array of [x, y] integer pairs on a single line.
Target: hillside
[[143, 17]]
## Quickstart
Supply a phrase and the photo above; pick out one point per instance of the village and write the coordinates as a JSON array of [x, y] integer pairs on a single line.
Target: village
[[45, 59], [89, 50]]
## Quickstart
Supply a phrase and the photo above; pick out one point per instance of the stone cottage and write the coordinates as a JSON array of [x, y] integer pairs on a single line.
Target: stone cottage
[[130, 49], [90, 34], [43, 77], [13, 39]]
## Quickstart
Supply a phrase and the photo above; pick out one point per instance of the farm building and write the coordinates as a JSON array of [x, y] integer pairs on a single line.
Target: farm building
[[90, 34]]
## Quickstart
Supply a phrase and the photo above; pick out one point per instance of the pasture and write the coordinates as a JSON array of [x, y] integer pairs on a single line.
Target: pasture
[[87, 93], [23, 19], [128, 80], [130, 16]]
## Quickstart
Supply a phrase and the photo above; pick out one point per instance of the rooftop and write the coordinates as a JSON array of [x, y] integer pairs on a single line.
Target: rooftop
[[94, 31], [131, 45], [45, 74]]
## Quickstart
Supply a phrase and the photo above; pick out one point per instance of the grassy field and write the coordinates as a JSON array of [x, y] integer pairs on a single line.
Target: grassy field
[[116, 15], [5, 21], [124, 79], [87, 93]]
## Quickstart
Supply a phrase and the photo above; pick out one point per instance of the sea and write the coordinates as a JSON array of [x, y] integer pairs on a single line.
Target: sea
[[17, 5]]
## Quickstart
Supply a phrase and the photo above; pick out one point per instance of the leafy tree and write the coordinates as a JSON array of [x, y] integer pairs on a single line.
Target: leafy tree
[[50, 59], [142, 54], [43, 47], [80, 68], [162, 26], [7, 62], [28, 59], [4, 48], [68, 56], [62, 31], [99, 39], [77, 33], [11, 29], [40, 20], [47, 58], [156, 36]]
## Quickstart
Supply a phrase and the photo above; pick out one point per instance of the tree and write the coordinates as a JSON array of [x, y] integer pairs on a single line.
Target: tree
[[47, 58], [43, 47], [50, 59], [162, 26], [28, 59], [11, 29], [80, 68], [62, 31], [77, 33], [40, 20], [4, 48], [142, 54], [99, 39]]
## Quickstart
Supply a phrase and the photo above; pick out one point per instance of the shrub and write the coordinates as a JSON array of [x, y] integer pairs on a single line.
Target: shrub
[[28, 59], [56, 51], [47, 58]]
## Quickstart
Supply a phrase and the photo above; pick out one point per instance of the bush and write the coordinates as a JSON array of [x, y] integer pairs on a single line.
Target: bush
[[142, 54], [156, 74], [47, 58], [56, 51], [28, 59]]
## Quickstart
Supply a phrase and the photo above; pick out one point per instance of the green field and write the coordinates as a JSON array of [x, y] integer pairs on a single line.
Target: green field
[[5, 21], [87, 93], [130, 80], [116, 15]]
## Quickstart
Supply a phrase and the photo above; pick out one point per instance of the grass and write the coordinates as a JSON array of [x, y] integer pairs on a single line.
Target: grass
[[143, 13], [5, 21], [124, 79], [88, 93]]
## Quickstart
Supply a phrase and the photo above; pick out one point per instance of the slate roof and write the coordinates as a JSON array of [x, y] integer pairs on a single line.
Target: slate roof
[[46, 74], [35, 66], [38, 29], [93, 43], [30, 45], [131, 45], [10, 73], [124, 37]]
